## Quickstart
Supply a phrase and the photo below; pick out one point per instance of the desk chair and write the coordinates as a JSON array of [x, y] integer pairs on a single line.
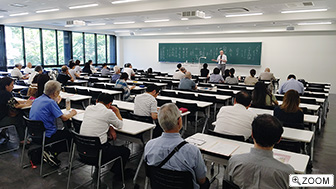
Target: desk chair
[[76, 124], [314, 95], [223, 87], [93, 80], [161, 102], [263, 107], [308, 101], [12, 143], [235, 87], [90, 148], [204, 85], [99, 86], [315, 85], [37, 131], [70, 90], [83, 92], [314, 89], [212, 99], [168, 93], [186, 96], [232, 137], [94, 95], [147, 119], [193, 108]]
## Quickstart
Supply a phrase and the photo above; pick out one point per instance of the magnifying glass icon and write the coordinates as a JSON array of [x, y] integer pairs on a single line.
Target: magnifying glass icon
[[295, 179]]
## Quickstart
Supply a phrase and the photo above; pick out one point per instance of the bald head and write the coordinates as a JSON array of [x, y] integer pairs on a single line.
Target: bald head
[[188, 75], [29, 65], [267, 70]]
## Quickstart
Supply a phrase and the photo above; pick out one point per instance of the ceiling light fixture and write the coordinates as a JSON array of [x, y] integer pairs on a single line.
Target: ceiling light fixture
[[184, 18], [83, 6], [123, 1], [313, 23], [207, 17], [19, 14], [300, 11], [96, 24], [249, 14], [1, 16], [122, 31], [130, 22], [48, 10], [162, 20]]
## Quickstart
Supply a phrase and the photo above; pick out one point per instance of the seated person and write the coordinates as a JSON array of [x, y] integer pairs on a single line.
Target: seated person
[[205, 70], [87, 68], [93, 69], [29, 68], [180, 74], [149, 73], [65, 76], [231, 79], [146, 105], [77, 68], [72, 71], [226, 73], [266, 75], [290, 84], [129, 70], [289, 113], [10, 113], [236, 119], [45, 108], [97, 122], [179, 65], [215, 77], [116, 74], [187, 83], [37, 70], [251, 80], [121, 83], [16, 72], [259, 169], [262, 97], [105, 71], [188, 158], [42, 79]]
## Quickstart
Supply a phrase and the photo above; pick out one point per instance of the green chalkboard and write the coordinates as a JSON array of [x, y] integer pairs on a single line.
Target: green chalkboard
[[244, 53]]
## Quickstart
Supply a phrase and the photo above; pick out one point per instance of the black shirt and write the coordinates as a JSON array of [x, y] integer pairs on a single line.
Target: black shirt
[[63, 78], [87, 70], [5, 103], [294, 120], [204, 72]]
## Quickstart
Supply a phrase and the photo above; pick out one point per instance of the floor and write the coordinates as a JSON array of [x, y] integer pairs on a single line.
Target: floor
[[13, 176]]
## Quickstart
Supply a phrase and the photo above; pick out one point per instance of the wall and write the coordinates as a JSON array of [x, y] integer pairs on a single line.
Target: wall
[[309, 55]]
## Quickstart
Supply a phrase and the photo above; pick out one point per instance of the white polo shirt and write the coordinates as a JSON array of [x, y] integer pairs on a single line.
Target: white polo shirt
[[16, 73], [129, 71], [223, 58], [178, 75], [28, 70], [235, 120], [97, 120], [144, 105]]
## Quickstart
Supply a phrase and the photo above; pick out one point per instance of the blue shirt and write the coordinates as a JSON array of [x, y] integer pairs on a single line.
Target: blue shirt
[[186, 83], [292, 84], [122, 84], [115, 77], [188, 158], [216, 78], [46, 110]]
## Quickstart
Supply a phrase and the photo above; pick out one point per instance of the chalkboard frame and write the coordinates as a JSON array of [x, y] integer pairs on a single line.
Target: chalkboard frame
[[256, 49]]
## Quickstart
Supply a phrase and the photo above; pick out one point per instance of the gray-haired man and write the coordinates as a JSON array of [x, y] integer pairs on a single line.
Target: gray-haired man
[[221, 60]]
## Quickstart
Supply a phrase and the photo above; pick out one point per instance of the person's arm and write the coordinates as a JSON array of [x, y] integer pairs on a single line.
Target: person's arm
[[132, 87], [154, 110], [112, 133], [200, 168], [66, 117], [22, 104], [154, 115], [71, 78], [116, 111], [76, 74], [224, 59], [115, 118], [274, 100]]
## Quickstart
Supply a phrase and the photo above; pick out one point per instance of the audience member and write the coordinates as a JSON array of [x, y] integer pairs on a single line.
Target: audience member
[[149, 73], [187, 83], [215, 77], [116, 74], [236, 119], [289, 113], [129, 70], [10, 113], [87, 68], [259, 169], [72, 71], [16, 72], [188, 158], [251, 80], [226, 73], [179, 65], [267, 75], [29, 68], [37, 70], [45, 108], [105, 71], [77, 68], [231, 79], [290, 84], [121, 83], [93, 69], [205, 71], [65, 76], [41, 81], [262, 97], [99, 121], [180, 74]]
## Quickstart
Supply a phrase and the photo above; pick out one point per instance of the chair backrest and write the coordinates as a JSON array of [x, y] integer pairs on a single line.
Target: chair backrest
[[289, 145], [87, 147], [314, 89], [99, 85], [161, 102], [232, 137], [279, 97], [315, 95], [83, 92], [95, 94], [235, 87], [76, 124], [308, 101], [168, 93], [316, 85], [168, 179], [93, 80], [192, 107], [293, 125], [228, 93], [223, 87], [204, 85], [263, 107], [35, 128], [186, 96], [70, 90], [115, 89], [207, 98], [146, 119], [229, 185]]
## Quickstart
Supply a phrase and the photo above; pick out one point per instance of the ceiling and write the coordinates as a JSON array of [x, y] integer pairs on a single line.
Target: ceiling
[[102, 17]]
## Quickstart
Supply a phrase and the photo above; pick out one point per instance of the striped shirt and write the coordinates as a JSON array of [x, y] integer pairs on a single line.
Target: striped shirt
[[127, 92], [145, 104]]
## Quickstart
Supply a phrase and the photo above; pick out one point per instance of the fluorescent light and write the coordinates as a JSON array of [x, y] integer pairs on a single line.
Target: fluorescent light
[[249, 14], [68, 26], [313, 23], [309, 10], [83, 6], [207, 17], [1, 16], [130, 22], [97, 24], [48, 10], [184, 18], [124, 1], [122, 31], [162, 20], [19, 14]]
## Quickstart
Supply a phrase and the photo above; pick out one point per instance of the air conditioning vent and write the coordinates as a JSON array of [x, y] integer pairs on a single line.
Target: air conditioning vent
[[193, 14], [290, 28], [75, 23], [300, 4], [307, 4], [232, 10]]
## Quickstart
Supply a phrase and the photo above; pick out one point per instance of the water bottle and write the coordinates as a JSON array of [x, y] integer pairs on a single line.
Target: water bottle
[[67, 104]]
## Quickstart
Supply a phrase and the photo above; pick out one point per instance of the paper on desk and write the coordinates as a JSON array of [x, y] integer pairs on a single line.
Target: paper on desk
[[223, 148], [195, 141], [282, 158]]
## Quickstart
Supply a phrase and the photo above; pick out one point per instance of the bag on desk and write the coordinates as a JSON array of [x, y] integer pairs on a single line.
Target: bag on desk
[[183, 110]]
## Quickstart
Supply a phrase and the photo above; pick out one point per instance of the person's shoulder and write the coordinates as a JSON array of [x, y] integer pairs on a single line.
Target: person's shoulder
[[239, 158]]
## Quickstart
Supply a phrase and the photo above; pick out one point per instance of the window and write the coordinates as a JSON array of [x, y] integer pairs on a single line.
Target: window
[[108, 49], [14, 46], [90, 52], [101, 48], [32, 46], [49, 47], [77, 46], [60, 41]]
